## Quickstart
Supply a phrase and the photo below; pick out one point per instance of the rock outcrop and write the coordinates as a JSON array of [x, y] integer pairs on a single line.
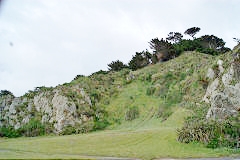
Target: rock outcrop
[[223, 93], [53, 106]]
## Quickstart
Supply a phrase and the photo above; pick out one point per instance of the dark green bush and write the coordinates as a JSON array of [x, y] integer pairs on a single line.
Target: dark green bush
[[116, 66], [186, 45], [100, 118], [212, 133], [67, 130], [5, 93], [207, 51], [100, 124], [9, 132]]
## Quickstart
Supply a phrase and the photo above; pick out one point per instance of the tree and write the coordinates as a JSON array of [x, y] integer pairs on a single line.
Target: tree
[[175, 37], [78, 76], [163, 49], [236, 40], [116, 66], [140, 59], [212, 44], [192, 31], [5, 93]]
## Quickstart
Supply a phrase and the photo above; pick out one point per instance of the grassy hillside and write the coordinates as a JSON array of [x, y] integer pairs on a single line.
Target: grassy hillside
[[141, 109], [157, 90], [149, 141]]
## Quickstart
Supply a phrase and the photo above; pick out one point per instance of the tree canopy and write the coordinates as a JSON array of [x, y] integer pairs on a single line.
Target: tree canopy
[[163, 49], [5, 92], [116, 66], [213, 43], [192, 31], [140, 59], [175, 37]]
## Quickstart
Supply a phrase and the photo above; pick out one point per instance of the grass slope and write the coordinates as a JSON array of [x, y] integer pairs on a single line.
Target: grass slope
[[164, 94], [150, 142]]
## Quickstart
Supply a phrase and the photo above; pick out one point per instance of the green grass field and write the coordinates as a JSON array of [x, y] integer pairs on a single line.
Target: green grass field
[[157, 140]]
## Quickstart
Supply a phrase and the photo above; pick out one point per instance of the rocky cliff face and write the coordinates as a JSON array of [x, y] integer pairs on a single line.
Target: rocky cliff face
[[57, 107], [223, 93]]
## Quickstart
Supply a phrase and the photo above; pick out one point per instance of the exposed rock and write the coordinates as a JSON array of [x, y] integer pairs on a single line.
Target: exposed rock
[[236, 64], [48, 106], [233, 94], [210, 90], [210, 73], [221, 107], [220, 66], [64, 111], [224, 95], [228, 77]]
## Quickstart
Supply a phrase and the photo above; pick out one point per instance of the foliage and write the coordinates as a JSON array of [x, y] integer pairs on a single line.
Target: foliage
[[175, 37], [78, 76], [140, 60], [5, 93], [192, 31], [67, 130], [100, 72], [211, 43], [33, 128], [9, 132], [116, 66], [42, 89], [186, 45], [213, 133], [132, 113], [237, 40], [100, 124], [163, 49], [100, 118]]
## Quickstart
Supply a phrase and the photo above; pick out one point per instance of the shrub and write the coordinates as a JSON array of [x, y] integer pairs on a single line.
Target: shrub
[[140, 60], [116, 66], [67, 130], [78, 76], [100, 124], [85, 127], [5, 93], [9, 132], [131, 113], [186, 45], [212, 133], [32, 128], [207, 51]]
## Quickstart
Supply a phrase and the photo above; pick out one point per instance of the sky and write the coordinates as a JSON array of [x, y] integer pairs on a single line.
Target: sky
[[49, 42]]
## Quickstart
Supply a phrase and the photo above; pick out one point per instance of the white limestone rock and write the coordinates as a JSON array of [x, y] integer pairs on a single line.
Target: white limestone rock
[[210, 74], [210, 90]]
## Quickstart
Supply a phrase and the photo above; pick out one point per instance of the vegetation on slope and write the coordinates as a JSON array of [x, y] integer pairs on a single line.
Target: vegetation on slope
[[157, 140], [141, 109]]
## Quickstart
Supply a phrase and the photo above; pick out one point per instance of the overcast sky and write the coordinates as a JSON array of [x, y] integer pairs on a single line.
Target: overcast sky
[[49, 42]]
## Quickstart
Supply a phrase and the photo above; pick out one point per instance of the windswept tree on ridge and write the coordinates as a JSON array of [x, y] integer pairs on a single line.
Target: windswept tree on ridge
[[175, 37], [162, 48], [192, 31], [116, 66]]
